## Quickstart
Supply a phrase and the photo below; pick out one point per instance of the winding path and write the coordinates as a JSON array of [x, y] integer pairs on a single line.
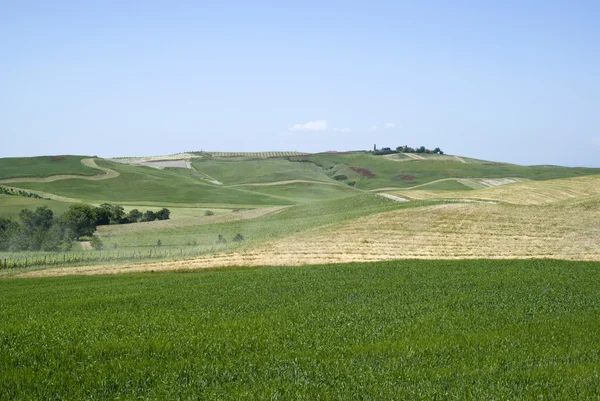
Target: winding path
[[108, 173], [474, 183]]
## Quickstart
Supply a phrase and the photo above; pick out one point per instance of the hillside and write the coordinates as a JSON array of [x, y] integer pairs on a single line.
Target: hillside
[[336, 207]]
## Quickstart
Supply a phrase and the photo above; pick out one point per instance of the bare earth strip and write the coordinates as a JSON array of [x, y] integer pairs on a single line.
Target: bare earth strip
[[263, 184], [475, 183], [108, 173], [449, 231]]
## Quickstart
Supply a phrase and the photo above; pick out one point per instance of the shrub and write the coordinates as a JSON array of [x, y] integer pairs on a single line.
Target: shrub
[[209, 213], [238, 238], [340, 177], [221, 240], [96, 243]]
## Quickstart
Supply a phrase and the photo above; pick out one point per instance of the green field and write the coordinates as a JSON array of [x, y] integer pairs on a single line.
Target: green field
[[277, 225], [43, 166], [231, 172], [405, 174], [141, 184], [10, 206], [303, 192], [395, 330]]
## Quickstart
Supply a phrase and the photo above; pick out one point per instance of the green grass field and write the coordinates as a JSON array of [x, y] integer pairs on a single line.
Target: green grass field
[[140, 184], [394, 330], [10, 206], [289, 221], [43, 166], [390, 173], [303, 192], [231, 172]]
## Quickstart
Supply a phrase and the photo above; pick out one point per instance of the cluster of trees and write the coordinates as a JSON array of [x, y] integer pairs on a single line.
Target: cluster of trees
[[407, 149], [42, 230], [107, 213], [18, 192]]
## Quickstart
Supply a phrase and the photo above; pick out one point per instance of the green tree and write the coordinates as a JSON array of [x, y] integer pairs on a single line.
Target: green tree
[[163, 214], [34, 226], [116, 212], [80, 219], [135, 215], [149, 215], [8, 229]]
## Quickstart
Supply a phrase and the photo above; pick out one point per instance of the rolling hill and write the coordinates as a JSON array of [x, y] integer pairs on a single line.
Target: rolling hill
[[320, 207]]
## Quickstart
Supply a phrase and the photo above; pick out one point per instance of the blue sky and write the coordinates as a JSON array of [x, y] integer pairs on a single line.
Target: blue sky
[[514, 81]]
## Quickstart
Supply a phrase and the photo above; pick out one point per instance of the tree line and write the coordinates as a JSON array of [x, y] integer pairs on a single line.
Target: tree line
[[18, 192], [406, 149], [42, 230]]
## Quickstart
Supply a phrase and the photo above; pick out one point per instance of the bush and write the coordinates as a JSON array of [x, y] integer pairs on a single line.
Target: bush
[[96, 243], [340, 177], [209, 213], [221, 240], [238, 238]]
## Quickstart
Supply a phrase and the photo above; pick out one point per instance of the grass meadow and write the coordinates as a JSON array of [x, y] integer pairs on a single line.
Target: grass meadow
[[43, 166], [141, 184], [478, 329], [235, 171], [405, 174]]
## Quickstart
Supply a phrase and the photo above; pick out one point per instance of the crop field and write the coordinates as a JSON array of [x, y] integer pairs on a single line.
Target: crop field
[[254, 154], [10, 206], [443, 231], [372, 172], [256, 225], [139, 184], [302, 192], [43, 166], [231, 172], [523, 193], [390, 330]]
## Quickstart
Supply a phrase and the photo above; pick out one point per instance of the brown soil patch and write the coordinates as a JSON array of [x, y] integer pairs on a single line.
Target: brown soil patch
[[363, 171], [406, 177]]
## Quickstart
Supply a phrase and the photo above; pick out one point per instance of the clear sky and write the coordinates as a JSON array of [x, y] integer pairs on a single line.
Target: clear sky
[[515, 81]]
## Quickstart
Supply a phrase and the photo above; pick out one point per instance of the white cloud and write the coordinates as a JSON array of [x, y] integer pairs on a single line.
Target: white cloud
[[345, 130], [390, 125], [317, 125], [374, 128]]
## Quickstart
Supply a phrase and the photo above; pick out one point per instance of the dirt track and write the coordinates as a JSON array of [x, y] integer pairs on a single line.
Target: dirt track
[[266, 184], [108, 173]]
